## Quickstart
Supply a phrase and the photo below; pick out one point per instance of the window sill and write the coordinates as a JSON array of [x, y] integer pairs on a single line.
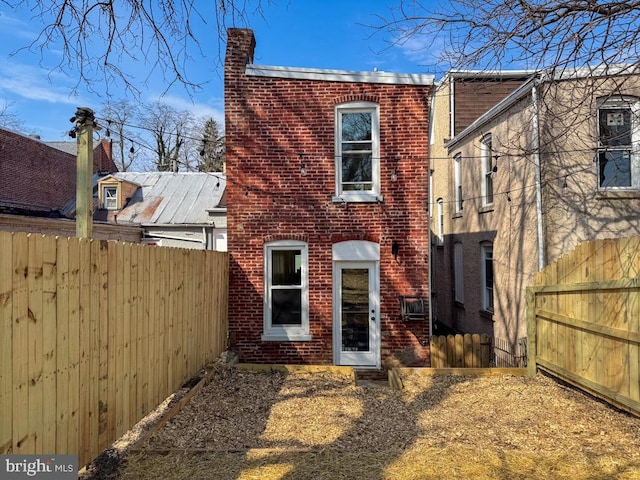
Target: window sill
[[486, 314], [617, 194], [486, 209], [457, 215], [358, 198], [284, 337]]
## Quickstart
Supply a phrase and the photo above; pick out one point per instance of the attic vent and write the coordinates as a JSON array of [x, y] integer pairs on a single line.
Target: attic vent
[[412, 308]]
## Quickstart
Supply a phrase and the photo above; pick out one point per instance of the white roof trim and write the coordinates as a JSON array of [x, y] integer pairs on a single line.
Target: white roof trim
[[299, 73]]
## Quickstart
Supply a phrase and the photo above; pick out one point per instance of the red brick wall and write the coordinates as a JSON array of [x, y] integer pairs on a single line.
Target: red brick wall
[[474, 97], [39, 178], [268, 122]]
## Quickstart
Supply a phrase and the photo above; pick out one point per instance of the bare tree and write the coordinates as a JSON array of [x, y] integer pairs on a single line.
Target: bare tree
[[98, 38], [116, 119], [495, 34], [175, 137], [8, 119]]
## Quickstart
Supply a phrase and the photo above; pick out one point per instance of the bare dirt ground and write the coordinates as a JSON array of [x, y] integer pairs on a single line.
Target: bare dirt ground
[[246, 425]]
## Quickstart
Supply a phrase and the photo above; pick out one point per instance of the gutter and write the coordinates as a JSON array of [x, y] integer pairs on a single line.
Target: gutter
[[538, 174]]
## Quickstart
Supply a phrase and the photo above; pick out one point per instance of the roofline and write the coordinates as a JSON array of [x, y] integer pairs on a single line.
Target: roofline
[[300, 73], [498, 108], [498, 74]]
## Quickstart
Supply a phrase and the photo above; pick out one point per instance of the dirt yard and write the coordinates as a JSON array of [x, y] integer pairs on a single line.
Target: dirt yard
[[246, 425]]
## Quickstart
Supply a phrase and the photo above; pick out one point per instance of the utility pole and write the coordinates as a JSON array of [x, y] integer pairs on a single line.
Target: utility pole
[[83, 131]]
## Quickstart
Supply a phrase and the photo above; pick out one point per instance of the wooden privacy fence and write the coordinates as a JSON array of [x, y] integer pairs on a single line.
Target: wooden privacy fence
[[477, 351], [95, 334], [460, 351], [584, 320]]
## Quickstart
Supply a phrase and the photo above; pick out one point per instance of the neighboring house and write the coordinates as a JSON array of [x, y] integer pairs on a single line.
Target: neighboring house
[[554, 164], [328, 226], [460, 98], [37, 179], [181, 209]]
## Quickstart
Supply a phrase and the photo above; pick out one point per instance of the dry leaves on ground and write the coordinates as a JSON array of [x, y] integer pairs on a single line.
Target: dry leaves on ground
[[273, 425]]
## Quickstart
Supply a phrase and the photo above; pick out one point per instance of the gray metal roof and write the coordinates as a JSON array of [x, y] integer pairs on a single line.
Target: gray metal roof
[[168, 198]]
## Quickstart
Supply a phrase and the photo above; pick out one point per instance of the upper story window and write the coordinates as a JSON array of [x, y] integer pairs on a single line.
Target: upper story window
[[486, 169], [358, 152], [618, 132], [457, 178], [110, 197], [286, 297]]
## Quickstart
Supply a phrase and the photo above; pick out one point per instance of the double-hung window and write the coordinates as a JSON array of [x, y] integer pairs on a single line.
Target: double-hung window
[[486, 169], [458, 273], [110, 197], [486, 254], [358, 152], [457, 178], [440, 221], [618, 159], [286, 309]]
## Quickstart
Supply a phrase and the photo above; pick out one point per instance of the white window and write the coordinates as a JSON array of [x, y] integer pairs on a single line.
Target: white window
[[440, 221], [358, 152], [457, 176], [458, 273], [486, 169], [286, 296], [110, 198], [618, 132], [486, 255]]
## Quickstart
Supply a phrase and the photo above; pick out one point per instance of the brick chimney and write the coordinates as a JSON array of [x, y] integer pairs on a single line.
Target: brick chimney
[[241, 44]]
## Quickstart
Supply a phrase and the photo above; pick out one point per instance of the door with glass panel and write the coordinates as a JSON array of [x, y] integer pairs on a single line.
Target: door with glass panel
[[356, 318]]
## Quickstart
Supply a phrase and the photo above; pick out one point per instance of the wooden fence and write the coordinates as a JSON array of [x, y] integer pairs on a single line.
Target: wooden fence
[[584, 320], [95, 334], [460, 351], [476, 351]]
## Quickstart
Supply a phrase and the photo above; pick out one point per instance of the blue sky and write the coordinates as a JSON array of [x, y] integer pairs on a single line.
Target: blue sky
[[329, 34]]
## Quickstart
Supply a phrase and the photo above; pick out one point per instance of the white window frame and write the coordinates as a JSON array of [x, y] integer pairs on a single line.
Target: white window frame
[[622, 103], [458, 272], [110, 202], [286, 332], [486, 172], [457, 176], [372, 195], [486, 253], [440, 221]]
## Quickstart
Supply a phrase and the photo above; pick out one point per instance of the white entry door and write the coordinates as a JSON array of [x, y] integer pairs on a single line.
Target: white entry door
[[356, 314]]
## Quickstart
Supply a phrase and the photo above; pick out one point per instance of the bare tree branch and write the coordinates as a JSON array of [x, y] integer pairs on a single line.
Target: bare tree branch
[[108, 42]]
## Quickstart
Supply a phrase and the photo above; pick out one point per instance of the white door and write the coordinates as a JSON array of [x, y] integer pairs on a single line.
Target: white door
[[356, 314]]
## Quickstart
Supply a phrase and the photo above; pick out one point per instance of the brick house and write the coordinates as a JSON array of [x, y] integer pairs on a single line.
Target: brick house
[[37, 179], [327, 189]]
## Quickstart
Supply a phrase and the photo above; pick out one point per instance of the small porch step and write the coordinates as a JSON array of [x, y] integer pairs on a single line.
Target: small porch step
[[371, 378]]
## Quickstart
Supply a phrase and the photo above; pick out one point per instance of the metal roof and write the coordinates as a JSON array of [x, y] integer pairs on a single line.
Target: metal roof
[[168, 198]]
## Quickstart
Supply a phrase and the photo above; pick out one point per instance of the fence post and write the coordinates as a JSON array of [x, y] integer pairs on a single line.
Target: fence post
[[531, 331]]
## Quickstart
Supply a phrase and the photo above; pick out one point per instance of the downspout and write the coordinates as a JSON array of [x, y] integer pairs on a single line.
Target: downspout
[[536, 161]]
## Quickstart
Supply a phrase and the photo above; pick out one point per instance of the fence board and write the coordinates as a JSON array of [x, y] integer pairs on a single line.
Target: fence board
[[6, 346], [90, 340], [62, 345], [49, 318], [20, 335], [590, 335]]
